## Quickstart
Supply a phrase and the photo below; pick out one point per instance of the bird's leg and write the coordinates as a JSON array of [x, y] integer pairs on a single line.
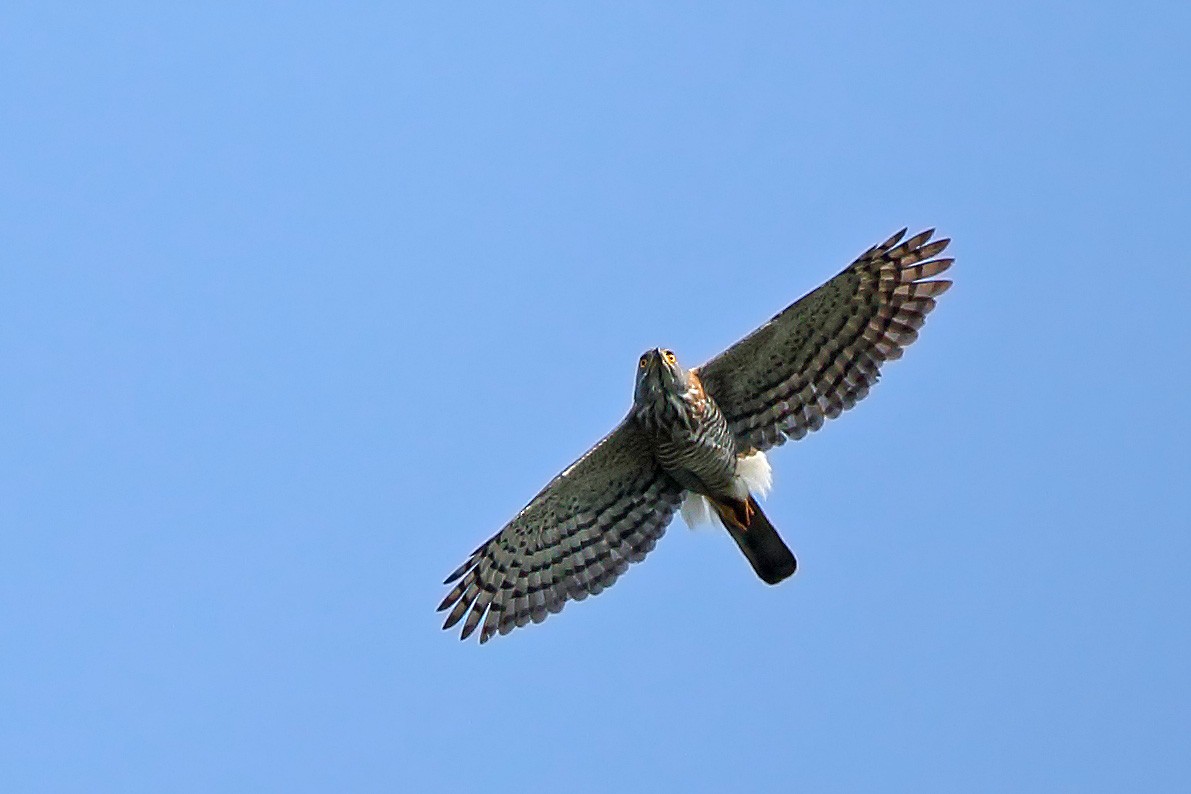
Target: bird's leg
[[732, 513], [741, 513]]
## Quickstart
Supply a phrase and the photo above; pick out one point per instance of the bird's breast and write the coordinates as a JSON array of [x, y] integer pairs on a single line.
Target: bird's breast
[[700, 452]]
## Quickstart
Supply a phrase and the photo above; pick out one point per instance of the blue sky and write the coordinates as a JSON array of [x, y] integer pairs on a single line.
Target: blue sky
[[301, 303]]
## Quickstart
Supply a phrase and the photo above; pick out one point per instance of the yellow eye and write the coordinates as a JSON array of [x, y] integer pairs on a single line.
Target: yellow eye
[[644, 361], [670, 357]]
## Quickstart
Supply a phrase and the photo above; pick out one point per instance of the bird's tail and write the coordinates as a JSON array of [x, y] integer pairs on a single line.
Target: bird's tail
[[765, 550]]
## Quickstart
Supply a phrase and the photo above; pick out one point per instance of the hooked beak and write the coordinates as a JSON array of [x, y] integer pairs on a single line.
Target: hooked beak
[[656, 358]]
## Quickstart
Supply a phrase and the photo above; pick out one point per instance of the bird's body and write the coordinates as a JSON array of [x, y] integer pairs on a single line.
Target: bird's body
[[697, 438], [692, 440], [694, 445]]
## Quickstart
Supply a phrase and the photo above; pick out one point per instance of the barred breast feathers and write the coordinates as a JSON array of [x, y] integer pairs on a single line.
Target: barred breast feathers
[[753, 474]]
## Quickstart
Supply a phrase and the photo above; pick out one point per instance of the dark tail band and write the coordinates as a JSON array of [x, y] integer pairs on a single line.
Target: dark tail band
[[765, 550]]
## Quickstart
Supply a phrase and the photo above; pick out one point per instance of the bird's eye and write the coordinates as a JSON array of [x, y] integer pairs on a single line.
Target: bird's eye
[[643, 362], [670, 357]]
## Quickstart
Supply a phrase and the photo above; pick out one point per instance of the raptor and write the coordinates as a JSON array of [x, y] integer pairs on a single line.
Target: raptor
[[695, 440]]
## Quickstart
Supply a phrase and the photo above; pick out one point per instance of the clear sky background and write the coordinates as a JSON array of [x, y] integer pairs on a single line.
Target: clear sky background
[[299, 304]]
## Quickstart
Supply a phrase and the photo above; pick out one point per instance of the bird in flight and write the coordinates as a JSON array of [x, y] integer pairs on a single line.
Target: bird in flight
[[696, 439]]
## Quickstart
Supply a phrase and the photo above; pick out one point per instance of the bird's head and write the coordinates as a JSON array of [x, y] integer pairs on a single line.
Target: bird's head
[[659, 377]]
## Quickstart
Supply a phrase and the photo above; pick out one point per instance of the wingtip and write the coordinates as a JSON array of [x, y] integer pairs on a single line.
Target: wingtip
[[456, 615], [894, 239], [888, 243], [462, 569], [917, 242]]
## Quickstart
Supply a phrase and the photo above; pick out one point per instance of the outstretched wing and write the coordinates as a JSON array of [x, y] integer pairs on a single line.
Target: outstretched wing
[[575, 538], [820, 355]]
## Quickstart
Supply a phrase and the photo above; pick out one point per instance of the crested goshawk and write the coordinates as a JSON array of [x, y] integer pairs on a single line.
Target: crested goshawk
[[697, 438]]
